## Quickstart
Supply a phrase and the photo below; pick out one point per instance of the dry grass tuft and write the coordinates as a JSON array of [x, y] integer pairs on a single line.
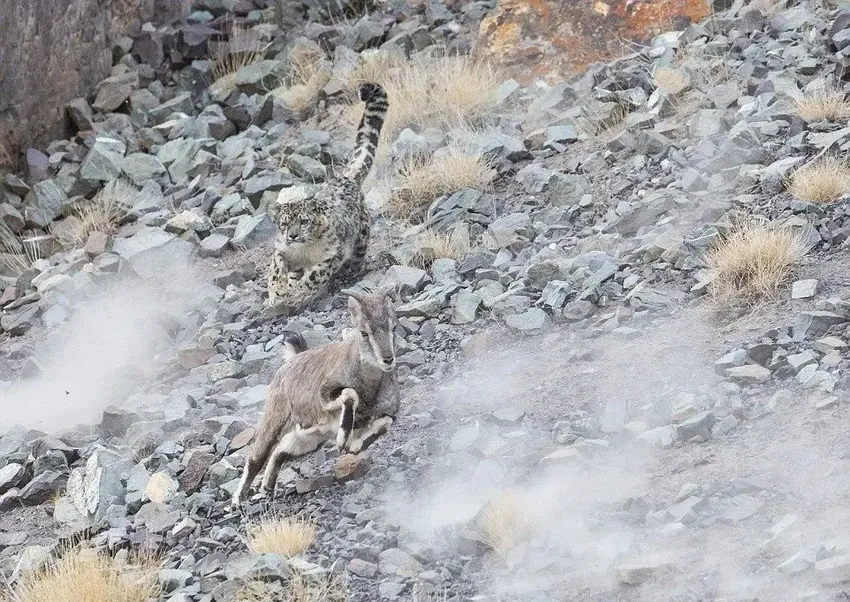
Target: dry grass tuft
[[423, 180], [429, 596], [753, 261], [104, 213], [688, 82], [81, 577], [765, 7], [285, 536], [298, 589], [672, 81], [822, 181], [376, 66], [19, 257], [599, 130], [244, 47], [308, 74], [448, 91], [506, 522], [6, 160], [431, 245], [827, 104]]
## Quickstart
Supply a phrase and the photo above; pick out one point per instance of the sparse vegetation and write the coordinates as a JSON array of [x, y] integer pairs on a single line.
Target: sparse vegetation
[[423, 180], [244, 47], [753, 261], [308, 74], [19, 256], [431, 245], [298, 589], [691, 79], [599, 129], [506, 522], [765, 7], [5, 157], [103, 213], [672, 81], [84, 577], [286, 536], [376, 66], [426, 596], [445, 91], [825, 104], [706, 65], [823, 181]]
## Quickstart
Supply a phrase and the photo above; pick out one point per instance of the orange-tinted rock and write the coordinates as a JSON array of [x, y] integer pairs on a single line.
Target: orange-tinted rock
[[351, 466], [555, 39], [242, 439]]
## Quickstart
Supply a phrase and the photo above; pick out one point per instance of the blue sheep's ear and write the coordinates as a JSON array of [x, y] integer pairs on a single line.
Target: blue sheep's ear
[[354, 294], [355, 299], [389, 291]]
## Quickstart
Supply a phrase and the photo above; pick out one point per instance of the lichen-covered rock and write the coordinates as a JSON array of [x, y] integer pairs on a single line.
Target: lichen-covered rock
[[555, 38]]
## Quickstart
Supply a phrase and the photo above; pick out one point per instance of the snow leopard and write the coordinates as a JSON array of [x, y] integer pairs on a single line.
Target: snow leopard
[[324, 237]]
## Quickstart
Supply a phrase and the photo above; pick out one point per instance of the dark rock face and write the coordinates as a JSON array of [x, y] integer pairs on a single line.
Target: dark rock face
[[53, 52]]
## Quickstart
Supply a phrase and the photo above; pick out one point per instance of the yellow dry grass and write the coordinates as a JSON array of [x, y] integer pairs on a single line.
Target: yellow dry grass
[[244, 47], [308, 74], [375, 66], [765, 7], [826, 104], [448, 91], [298, 589], [690, 79], [431, 245], [823, 181], [287, 536], [423, 180], [753, 261], [506, 522], [103, 213], [671, 80], [82, 577]]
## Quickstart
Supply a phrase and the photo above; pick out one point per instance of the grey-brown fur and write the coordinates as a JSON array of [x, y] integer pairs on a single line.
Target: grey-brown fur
[[346, 390], [325, 236]]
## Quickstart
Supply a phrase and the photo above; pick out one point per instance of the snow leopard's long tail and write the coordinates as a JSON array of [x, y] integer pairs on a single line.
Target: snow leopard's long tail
[[369, 131]]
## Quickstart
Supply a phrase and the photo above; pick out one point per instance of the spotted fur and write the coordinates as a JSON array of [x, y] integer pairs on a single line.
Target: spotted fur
[[325, 237]]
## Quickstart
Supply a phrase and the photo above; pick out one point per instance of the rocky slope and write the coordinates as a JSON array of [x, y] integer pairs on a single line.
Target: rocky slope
[[51, 53], [658, 449]]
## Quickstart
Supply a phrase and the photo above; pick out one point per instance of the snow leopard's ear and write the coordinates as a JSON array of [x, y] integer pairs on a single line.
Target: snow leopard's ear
[[273, 209]]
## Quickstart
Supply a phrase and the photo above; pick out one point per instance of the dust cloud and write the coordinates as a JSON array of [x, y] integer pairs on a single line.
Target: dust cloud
[[116, 340], [606, 516]]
